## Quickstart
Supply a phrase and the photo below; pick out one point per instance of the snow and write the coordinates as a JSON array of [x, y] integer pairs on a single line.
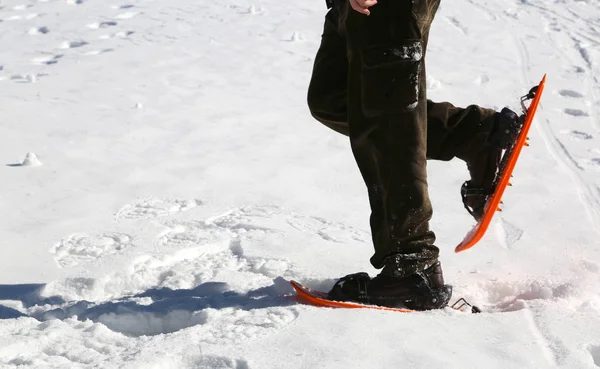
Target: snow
[[184, 183], [31, 160]]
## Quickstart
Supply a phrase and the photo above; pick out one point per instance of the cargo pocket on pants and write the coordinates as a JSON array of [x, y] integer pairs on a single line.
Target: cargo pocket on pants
[[390, 78]]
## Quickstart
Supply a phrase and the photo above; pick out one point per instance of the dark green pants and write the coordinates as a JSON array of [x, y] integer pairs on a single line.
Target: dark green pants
[[369, 83]]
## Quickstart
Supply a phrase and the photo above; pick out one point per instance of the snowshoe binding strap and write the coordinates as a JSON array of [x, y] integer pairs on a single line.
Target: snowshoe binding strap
[[474, 199], [418, 294], [486, 168], [429, 298], [506, 129], [361, 279], [530, 96]]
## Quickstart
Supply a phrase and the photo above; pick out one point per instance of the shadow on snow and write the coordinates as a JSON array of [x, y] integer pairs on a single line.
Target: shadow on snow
[[155, 311]]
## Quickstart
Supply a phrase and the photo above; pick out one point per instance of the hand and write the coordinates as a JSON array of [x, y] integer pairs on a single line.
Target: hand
[[362, 6]]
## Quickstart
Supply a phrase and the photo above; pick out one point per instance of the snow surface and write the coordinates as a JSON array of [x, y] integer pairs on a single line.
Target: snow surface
[[184, 183]]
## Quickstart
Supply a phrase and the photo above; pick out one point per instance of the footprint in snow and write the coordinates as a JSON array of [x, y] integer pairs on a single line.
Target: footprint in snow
[[39, 30], [571, 93], [27, 78], [216, 279], [124, 6], [47, 60], [249, 219], [154, 207], [576, 112], [578, 135], [164, 294], [97, 25], [327, 230], [72, 44], [590, 266], [78, 248], [221, 229]]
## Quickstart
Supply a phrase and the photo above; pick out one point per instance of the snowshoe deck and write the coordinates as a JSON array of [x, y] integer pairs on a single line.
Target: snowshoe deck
[[318, 298], [507, 166]]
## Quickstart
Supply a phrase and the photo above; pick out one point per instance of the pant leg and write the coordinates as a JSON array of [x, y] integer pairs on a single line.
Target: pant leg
[[387, 117], [389, 148], [452, 131], [457, 132], [327, 92]]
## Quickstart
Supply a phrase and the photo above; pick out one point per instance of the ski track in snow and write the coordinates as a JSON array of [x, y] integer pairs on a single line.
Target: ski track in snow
[[575, 148], [540, 339], [459, 26], [571, 155]]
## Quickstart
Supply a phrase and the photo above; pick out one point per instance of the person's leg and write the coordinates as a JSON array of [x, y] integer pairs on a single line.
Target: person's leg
[[327, 92], [476, 135], [457, 132], [387, 122], [387, 111], [451, 131]]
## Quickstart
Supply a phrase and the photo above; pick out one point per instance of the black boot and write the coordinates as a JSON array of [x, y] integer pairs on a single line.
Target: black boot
[[420, 291], [484, 167]]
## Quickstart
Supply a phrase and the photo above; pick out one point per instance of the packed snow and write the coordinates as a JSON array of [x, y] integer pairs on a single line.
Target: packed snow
[[184, 183]]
